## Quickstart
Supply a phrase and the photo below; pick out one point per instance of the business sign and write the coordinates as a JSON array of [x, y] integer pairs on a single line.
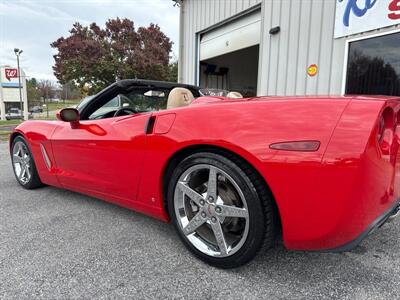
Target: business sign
[[355, 16], [9, 85], [9, 77], [10, 73]]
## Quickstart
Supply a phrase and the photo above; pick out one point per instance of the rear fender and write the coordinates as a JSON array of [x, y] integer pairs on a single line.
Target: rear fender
[[354, 186]]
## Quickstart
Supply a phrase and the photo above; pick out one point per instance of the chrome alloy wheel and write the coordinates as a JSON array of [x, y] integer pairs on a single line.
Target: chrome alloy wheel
[[211, 210], [22, 162]]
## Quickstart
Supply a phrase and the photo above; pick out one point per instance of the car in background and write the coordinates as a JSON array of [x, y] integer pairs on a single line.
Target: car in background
[[36, 109], [15, 114]]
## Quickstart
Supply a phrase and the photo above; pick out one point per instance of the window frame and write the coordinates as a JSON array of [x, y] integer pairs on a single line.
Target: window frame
[[347, 48]]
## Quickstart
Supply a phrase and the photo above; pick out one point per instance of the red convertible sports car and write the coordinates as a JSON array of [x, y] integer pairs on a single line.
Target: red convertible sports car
[[229, 172]]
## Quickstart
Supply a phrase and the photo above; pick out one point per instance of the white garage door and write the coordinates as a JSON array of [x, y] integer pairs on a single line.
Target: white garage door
[[239, 34]]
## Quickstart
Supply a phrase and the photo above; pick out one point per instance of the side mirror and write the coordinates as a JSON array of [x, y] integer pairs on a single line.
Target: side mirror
[[68, 115]]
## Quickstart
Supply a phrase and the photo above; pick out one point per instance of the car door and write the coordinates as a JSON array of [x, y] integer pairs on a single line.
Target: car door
[[102, 154]]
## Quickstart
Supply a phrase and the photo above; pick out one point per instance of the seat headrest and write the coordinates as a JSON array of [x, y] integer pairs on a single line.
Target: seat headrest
[[179, 97], [234, 95]]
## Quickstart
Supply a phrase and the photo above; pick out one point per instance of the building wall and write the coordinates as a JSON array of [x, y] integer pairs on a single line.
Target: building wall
[[306, 37]]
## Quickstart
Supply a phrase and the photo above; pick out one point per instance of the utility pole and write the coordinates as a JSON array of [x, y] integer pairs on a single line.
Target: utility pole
[[47, 96], [18, 53]]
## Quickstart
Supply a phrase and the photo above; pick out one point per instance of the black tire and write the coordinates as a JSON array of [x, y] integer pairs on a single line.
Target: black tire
[[34, 181], [262, 213]]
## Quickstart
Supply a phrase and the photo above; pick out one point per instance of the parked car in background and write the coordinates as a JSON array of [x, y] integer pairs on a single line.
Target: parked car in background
[[15, 113], [36, 109]]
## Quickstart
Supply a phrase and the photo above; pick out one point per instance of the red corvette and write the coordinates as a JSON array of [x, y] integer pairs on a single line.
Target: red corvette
[[230, 173]]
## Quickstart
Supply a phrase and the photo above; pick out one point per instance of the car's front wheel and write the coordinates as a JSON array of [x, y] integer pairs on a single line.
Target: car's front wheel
[[24, 165], [221, 209]]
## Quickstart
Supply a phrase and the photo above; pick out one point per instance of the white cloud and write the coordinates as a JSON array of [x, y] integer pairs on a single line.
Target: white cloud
[[33, 25]]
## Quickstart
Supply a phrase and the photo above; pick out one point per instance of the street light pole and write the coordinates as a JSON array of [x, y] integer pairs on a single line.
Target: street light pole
[[18, 53]]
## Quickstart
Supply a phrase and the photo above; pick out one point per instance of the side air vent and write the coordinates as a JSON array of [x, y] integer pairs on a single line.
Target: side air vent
[[45, 157], [149, 129]]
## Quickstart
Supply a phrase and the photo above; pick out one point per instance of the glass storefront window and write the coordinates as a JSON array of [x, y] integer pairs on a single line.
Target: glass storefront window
[[374, 66]]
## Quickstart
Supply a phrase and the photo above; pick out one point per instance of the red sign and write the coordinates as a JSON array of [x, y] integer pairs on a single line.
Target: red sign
[[394, 7], [11, 73]]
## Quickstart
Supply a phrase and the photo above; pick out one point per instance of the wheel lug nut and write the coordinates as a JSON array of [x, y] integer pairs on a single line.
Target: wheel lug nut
[[211, 199], [218, 210], [213, 219], [203, 214], [202, 202]]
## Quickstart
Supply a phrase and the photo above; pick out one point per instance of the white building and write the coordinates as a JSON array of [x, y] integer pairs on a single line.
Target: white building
[[291, 47], [9, 90]]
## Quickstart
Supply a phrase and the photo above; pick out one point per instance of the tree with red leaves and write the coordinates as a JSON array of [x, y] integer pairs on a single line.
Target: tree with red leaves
[[93, 58]]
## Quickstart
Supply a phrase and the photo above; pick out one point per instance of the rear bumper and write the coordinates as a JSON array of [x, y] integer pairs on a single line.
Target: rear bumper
[[391, 213]]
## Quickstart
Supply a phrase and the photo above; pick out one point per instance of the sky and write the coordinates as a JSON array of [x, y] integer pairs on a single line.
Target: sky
[[32, 25]]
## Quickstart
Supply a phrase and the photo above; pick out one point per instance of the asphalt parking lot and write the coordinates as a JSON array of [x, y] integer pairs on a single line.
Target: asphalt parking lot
[[56, 244]]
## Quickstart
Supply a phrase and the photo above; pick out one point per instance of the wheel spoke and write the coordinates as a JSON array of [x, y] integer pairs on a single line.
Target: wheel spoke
[[193, 224], [219, 236], [27, 172], [188, 191], [17, 159], [234, 212], [22, 174], [212, 184], [21, 150]]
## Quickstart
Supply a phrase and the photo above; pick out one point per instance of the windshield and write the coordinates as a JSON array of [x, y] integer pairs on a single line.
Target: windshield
[[83, 102], [135, 101]]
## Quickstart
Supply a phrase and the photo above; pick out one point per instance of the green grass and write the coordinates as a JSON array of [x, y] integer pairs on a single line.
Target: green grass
[[4, 135], [60, 105], [43, 116], [5, 127], [10, 122]]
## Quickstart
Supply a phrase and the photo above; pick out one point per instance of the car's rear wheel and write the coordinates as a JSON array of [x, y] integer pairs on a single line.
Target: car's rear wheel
[[23, 164], [221, 209]]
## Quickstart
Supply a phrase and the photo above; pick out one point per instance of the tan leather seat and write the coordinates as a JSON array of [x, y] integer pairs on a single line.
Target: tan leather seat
[[235, 95], [179, 97]]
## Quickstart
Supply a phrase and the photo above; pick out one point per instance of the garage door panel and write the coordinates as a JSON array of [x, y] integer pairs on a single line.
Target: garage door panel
[[239, 34]]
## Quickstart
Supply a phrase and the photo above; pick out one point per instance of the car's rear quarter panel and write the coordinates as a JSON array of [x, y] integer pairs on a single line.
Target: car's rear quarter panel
[[247, 129], [356, 182]]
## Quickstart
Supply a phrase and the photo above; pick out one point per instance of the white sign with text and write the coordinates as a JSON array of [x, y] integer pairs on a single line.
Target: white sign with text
[[355, 16]]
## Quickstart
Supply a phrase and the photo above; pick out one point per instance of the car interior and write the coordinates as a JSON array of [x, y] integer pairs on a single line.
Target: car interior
[[121, 102]]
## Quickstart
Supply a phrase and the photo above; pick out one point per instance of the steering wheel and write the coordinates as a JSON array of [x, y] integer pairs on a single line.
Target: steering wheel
[[122, 111]]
